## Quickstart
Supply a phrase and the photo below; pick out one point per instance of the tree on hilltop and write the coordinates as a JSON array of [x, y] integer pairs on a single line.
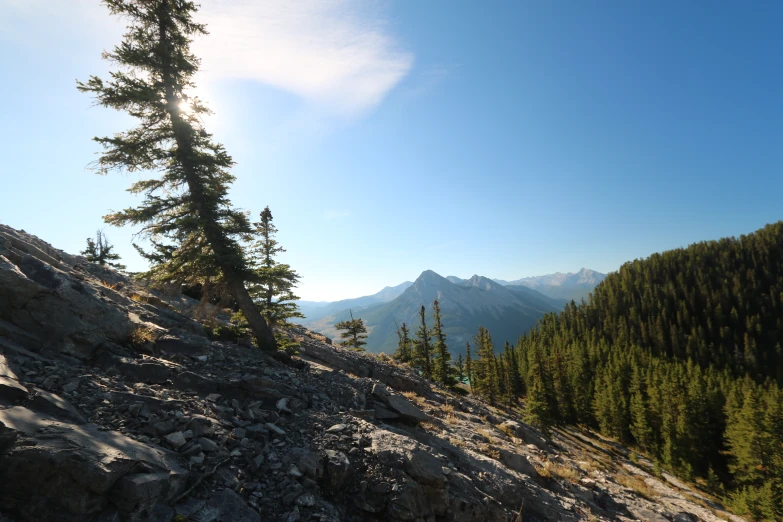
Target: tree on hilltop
[[355, 333], [185, 205], [99, 251]]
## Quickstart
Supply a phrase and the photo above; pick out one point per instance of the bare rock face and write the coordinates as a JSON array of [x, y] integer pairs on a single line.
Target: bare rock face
[[400, 451], [49, 301], [57, 467]]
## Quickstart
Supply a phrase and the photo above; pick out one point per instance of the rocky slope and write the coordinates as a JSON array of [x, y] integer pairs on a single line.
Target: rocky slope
[[116, 406]]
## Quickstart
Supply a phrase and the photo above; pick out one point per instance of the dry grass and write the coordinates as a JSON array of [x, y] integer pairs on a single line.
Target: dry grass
[[451, 420], [414, 397], [637, 484], [106, 284], [507, 430], [383, 357], [486, 433], [555, 470], [459, 443], [448, 409], [143, 335], [489, 451], [590, 465], [429, 426]]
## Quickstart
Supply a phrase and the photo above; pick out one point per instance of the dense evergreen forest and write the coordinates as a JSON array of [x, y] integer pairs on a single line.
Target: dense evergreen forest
[[677, 355], [680, 356]]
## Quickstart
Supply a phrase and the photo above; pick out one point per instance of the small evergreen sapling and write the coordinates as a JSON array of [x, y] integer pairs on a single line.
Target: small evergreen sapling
[[273, 289], [99, 251], [355, 333]]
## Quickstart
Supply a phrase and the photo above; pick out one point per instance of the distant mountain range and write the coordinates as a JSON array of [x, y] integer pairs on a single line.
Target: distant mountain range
[[566, 286], [506, 308], [314, 310]]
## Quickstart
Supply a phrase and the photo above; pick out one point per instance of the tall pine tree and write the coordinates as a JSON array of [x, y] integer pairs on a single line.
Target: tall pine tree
[[442, 371], [423, 347], [403, 354], [186, 202]]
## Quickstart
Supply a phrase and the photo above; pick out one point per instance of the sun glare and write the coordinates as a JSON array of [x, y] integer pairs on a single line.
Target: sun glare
[[185, 107]]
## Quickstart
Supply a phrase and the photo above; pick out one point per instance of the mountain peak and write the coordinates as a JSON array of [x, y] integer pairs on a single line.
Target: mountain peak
[[429, 276], [484, 283]]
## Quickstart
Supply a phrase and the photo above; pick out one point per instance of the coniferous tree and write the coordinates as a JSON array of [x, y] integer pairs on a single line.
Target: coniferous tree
[[508, 369], [186, 202], [500, 369], [459, 368], [541, 406], [99, 251], [423, 347], [469, 367], [403, 354], [442, 371], [273, 289], [679, 355], [485, 374], [354, 333], [639, 411]]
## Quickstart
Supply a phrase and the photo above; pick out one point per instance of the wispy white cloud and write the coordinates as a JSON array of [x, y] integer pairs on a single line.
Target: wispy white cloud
[[335, 54], [428, 80]]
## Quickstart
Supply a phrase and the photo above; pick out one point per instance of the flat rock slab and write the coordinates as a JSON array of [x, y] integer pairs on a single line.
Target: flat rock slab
[[61, 467], [54, 405], [405, 409], [402, 452]]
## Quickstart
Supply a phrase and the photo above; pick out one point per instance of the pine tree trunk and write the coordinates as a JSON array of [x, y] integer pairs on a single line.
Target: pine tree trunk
[[261, 330], [184, 154]]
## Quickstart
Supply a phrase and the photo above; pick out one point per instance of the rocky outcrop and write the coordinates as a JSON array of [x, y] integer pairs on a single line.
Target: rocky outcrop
[[363, 366], [56, 467], [114, 406]]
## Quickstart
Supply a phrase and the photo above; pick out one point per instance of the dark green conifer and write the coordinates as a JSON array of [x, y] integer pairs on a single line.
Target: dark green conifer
[[354, 333], [186, 202], [403, 354], [272, 291], [99, 251], [442, 371], [469, 367], [423, 347], [459, 368]]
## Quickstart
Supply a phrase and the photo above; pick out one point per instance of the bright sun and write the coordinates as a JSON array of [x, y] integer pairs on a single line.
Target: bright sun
[[185, 107]]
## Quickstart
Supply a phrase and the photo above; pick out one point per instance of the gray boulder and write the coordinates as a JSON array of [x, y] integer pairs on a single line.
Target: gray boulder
[[78, 471]]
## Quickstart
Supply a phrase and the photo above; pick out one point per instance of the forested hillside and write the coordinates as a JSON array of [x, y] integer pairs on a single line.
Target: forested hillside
[[679, 355]]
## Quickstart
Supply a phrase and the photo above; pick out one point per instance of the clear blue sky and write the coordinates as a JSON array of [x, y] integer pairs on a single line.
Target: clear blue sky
[[507, 139]]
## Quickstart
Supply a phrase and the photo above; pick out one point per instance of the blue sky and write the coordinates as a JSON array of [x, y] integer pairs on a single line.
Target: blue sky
[[507, 139]]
